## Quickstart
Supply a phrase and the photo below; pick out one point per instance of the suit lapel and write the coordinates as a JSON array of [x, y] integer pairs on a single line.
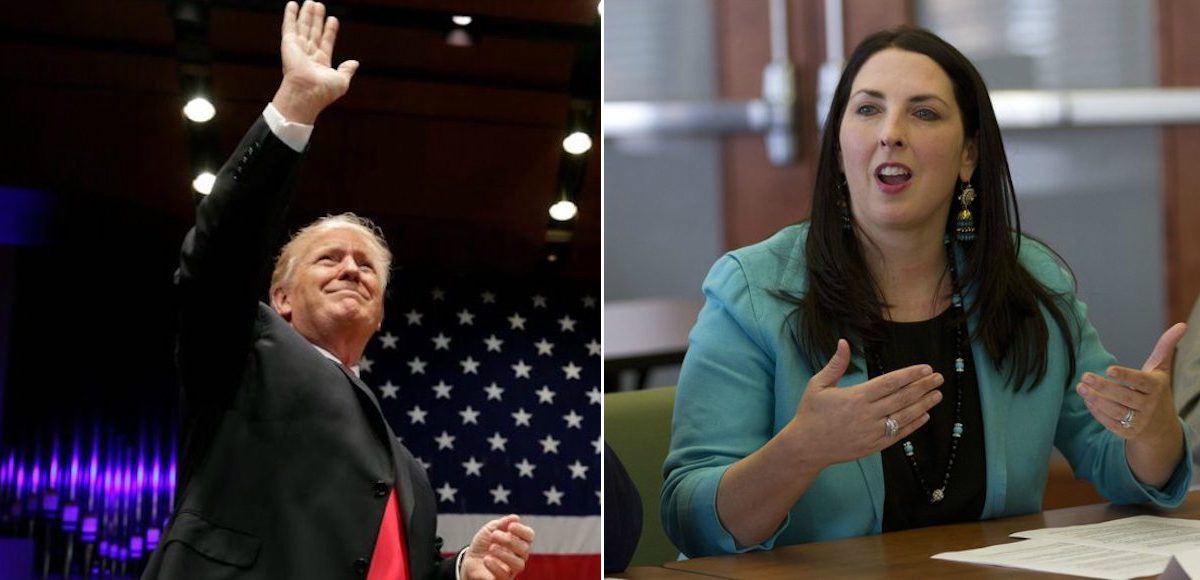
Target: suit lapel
[[381, 425], [404, 486], [402, 462]]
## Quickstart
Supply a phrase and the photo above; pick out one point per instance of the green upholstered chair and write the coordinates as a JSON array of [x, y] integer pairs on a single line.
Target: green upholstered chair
[[637, 425]]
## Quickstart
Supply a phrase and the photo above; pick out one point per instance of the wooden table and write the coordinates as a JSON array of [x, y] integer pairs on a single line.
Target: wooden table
[[902, 554]]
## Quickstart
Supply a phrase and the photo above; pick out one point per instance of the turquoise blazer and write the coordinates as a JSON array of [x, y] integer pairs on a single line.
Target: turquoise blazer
[[744, 375]]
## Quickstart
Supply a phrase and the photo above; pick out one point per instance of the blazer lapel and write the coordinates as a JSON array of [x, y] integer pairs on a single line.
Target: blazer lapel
[[994, 401]]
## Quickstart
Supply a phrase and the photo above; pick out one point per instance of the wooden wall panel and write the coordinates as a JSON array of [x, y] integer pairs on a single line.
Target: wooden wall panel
[[1177, 49], [759, 198], [865, 17]]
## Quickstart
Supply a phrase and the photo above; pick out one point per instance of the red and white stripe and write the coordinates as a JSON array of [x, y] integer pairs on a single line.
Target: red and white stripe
[[563, 546]]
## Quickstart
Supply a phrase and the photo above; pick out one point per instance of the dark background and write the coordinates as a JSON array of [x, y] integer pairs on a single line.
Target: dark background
[[455, 152]]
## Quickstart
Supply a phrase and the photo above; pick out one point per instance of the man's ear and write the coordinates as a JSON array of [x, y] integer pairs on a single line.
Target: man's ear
[[281, 303]]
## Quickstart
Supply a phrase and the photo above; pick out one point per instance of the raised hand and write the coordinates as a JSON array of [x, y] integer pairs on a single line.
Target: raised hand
[[309, 82], [1136, 404], [844, 424], [498, 551]]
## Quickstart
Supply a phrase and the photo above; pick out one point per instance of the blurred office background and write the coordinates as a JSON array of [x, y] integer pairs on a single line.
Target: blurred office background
[[1110, 197]]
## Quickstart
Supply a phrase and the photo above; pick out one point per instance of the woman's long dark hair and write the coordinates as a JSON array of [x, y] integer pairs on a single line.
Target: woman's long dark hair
[[842, 299]]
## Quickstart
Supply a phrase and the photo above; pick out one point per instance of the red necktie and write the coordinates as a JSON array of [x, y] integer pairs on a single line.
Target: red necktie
[[390, 561]]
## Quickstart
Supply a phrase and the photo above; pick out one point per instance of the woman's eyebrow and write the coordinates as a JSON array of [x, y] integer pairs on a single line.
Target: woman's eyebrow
[[914, 99]]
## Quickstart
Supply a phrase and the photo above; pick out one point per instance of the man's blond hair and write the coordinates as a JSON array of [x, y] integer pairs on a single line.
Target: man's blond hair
[[285, 264]]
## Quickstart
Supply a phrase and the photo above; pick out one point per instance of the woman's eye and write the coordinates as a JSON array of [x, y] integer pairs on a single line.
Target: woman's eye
[[866, 109], [926, 115]]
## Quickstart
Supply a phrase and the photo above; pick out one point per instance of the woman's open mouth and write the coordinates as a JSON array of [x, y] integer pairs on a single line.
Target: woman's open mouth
[[892, 177]]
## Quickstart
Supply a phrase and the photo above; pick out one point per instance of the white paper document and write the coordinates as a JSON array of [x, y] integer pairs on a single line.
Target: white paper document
[[1183, 566], [1126, 548]]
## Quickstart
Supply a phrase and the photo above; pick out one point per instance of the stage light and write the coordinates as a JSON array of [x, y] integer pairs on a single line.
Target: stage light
[[563, 210], [577, 143], [600, 8], [199, 110], [460, 20], [204, 182]]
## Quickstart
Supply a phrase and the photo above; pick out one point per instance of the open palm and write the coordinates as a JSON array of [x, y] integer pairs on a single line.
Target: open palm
[[310, 82]]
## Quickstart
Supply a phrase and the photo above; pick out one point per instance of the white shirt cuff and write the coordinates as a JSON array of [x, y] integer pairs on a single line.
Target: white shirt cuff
[[458, 564], [294, 135]]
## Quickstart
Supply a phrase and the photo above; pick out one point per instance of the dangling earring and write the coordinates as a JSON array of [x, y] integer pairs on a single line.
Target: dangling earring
[[844, 206], [964, 229]]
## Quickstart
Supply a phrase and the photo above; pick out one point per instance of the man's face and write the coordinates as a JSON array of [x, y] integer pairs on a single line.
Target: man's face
[[335, 289]]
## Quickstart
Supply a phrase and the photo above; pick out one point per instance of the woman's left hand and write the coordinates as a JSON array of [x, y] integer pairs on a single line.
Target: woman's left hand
[[1137, 404]]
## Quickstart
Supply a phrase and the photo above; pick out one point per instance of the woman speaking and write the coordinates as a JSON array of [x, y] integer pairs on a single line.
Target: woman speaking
[[906, 357]]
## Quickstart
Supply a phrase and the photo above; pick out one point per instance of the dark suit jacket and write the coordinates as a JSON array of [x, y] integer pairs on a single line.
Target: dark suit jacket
[[622, 514], [286, 459]]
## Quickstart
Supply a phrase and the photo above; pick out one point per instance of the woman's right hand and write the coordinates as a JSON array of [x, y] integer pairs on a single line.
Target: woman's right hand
[[838, 424]]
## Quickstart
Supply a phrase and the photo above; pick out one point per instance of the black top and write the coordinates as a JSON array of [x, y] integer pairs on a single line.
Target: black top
[[905, 505]]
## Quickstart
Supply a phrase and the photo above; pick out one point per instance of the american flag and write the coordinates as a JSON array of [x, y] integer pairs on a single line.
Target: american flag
[[495, 388]]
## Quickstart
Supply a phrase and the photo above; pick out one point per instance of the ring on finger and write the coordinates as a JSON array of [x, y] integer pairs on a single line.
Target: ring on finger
[[890, 427], [1127, 420]]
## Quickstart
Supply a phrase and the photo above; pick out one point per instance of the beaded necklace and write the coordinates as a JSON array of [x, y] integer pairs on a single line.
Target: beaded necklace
[[936, 495]]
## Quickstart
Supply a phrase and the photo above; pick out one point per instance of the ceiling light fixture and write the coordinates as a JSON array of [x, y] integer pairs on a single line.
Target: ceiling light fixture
[[577, 143], [199, 110], [204, 182], [563, 210]]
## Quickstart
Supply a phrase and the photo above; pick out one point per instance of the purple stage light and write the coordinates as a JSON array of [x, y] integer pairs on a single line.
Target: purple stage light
[[152, 537], [127, 481], [20, 485], [9, 471], [93, 471], [35, 480], [50, 503], [52, 475], [171, 481], [155, 482], [89, 527], [73, 479], [122, 553], [135, 547], [156, 474], [105, 549], [140, 477], [70, 517], [108, 482]]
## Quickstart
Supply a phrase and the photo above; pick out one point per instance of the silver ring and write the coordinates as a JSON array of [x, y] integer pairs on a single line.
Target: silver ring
[[890, 427], [1127, 421]]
